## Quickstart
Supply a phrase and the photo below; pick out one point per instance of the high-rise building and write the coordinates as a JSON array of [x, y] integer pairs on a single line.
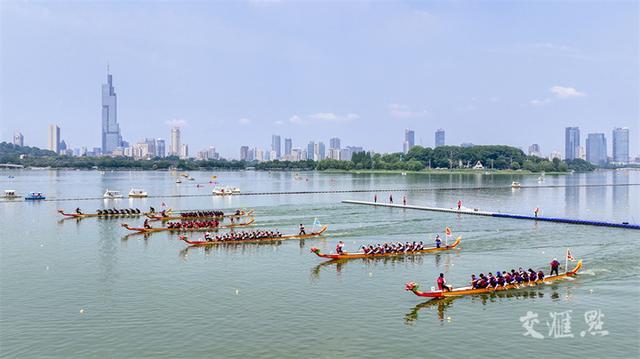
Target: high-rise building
[[151, 147], [287, 146], [571, 143], [334, 154], [334, 143], [54, 138], [244, 153], [175, 142], [621, 145], [275, 146], [409, 140], [184, 151], [439, 137], [111, 137], [160, 148], [596, 148], [310, 150], [63, 147], [321, 151], [18, 139], [534, 150]]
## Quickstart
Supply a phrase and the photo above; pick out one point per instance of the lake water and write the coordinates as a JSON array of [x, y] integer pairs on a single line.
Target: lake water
[[84, 289]]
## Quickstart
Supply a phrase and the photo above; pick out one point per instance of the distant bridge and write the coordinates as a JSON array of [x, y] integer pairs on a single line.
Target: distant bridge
[[10, 165]]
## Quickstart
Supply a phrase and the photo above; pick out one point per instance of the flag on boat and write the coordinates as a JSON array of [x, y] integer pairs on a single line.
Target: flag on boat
[[447, 231], [316, 222], [569, 256], [164, 204]]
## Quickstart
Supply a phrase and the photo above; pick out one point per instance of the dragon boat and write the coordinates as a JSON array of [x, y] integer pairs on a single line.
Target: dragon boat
[[347, 255], [456, 292], [255, 240], [187, 229], [176, 216]]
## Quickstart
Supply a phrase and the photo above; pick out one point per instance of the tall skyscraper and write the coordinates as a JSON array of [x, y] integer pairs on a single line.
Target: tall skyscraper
[[184, 151], [287, 146], [18, 139], [54, 138], [571, 143], [334, 143], [244, 153], [321, 151], [151, 147], [439, 137], [111, 138], [596, 148], [409, 140], [160, 148], [275, 146], [310, 150], [175, 142], [534, 150], [621, 145]]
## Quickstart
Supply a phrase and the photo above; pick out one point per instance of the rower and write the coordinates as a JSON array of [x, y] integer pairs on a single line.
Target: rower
[[207, 237], [554, 266], [146, 224], [442, 284], [438, 241], [302, 232], [339, 247], [152, 210], [459, 204], [237, 212], [78, 211], [540, 275], [474, 281]]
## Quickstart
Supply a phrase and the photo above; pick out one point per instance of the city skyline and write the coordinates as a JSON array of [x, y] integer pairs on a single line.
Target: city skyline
[[539, 75]]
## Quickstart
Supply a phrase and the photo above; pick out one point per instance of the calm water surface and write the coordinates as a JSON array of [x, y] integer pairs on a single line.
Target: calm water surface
[[155, 298]]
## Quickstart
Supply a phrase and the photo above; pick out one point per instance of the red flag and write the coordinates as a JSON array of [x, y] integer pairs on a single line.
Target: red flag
[[569, 256], [447, 231]]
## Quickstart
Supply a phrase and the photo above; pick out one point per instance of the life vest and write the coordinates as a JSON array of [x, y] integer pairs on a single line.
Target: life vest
[[440, 282]]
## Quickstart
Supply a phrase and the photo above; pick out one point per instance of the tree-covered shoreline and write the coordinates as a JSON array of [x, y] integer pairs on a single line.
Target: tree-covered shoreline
[[451, 158]]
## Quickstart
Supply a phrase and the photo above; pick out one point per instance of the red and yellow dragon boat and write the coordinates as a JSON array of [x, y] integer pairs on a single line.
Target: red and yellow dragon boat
[[158, 217], [183, 229], [347, 255], [413, 287], [257, 240], [105, 215]]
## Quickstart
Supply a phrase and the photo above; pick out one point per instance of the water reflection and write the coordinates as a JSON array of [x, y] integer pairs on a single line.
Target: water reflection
[[444, 304], [339, 264], [228, 248]]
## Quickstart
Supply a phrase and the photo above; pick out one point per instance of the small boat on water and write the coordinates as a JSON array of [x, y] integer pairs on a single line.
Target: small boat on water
[[10, 194], [109, 194], [186, 229], [178, 180], [108, 213], [255, 240], [35, 196], [346, 255], [413, 287], [191, 178], [225, 191], [515, 184], [181, 216], [138, 193]]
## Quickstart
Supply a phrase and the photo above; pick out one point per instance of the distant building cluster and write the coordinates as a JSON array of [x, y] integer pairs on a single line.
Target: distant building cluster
[[316, 151], [595, 149]]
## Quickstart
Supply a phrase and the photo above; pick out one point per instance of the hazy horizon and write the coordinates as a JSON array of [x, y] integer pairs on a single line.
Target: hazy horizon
[[233, 74]]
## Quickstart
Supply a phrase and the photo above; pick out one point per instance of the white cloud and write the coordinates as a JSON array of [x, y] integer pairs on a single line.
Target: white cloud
[[244, 121], [324, 117], [566, 92], [403, 111], [279, 123], [176, 122]]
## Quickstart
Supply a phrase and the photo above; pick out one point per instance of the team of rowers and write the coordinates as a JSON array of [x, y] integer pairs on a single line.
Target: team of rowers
[[502, 278], [194, 224], [206, 214], [397, 247], [242, 236], [109, 211]]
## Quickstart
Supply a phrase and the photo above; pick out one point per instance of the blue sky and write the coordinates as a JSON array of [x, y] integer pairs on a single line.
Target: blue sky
[[234, 73]]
